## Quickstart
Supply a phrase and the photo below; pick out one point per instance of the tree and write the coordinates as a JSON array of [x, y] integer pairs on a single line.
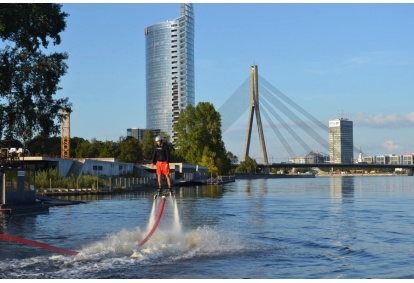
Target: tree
[[109, 149], [199, 137], [247, 166], [39, 146], [29, 78], [74, 143], [129, 150], [86, 149], [233, 160], [208, 161], [147, 144]]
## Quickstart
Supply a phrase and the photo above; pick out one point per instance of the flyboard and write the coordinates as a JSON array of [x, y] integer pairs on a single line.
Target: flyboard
[[69, 252]]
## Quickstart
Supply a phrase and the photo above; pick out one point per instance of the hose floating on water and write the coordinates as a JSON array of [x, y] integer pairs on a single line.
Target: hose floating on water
[[155, 224], [37, 244]]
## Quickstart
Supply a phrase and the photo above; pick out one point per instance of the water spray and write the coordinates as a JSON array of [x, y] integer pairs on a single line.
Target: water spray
[[69, 252]]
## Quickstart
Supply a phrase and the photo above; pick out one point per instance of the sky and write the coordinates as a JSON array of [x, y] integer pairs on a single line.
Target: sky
[[334, 60]]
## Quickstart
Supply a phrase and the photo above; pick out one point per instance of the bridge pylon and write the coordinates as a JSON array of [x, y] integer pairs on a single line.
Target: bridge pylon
[[254, 108]]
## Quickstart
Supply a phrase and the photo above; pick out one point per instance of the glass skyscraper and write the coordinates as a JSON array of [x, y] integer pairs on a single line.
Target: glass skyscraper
[[341, 141], [170, 85]]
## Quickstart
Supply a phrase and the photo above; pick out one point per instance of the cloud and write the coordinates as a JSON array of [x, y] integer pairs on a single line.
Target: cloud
[[391, 146], [391, 120], [385, 58], [360, 60]]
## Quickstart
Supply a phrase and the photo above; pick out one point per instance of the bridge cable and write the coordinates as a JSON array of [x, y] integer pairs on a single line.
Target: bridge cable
[[300, 109], [293, 104], [277, 132], [235, 106], [305, 127], [287, 127]]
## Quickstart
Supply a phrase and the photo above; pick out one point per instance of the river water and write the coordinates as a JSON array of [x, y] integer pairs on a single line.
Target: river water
[[326, 227]]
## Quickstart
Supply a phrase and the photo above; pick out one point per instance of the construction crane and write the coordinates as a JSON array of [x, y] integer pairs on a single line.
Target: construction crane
[[65, 133]]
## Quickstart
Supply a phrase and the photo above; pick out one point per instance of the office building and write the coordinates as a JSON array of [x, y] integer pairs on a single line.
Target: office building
[[341, 141], [170, 85], [134, 133], [408, 159], [139, 133]]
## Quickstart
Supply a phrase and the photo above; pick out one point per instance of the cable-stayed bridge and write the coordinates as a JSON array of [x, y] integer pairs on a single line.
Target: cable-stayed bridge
[[289, 116], [285, 117]]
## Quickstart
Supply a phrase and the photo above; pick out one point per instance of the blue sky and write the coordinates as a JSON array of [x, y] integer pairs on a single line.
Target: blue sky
[[350, 60]]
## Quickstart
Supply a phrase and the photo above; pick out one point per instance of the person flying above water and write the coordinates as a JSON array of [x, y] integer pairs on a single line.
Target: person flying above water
[[161, 160]]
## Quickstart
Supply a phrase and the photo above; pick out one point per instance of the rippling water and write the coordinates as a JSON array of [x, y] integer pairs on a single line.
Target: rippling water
[[327, 227]]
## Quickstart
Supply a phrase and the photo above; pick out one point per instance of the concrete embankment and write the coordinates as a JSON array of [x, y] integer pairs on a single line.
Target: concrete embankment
[[359, 175], [272, 176]]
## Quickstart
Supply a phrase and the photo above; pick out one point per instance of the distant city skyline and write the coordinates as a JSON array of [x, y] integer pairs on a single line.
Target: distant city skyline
[[350, 60]]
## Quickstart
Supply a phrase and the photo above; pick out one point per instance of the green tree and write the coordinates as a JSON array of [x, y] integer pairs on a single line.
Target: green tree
[[29, 77], [208, 161], [147, 144], [40, 146], [199, 138], [233, 158], [88, 149], [129, 150], [53, 144], [74, 142], [109, 149], [247, 166]]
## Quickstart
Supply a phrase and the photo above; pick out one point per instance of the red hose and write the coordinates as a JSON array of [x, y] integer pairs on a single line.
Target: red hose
[[155, 224], [68, 252], [37, 244]]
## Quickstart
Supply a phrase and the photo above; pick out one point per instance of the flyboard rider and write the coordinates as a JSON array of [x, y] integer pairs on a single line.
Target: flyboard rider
[[161, 160]]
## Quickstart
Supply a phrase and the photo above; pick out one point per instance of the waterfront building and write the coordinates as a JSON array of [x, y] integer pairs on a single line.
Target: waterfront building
[[312, 157], [369, 159], [408, 159], [341, 141], [382, 159], [395, 159], [170, 83]]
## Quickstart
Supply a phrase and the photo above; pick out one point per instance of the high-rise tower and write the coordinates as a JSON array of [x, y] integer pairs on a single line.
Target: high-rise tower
[[170, 85], [341, 141]]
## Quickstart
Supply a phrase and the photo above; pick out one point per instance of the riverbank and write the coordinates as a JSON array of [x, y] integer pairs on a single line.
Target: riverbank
[[244, 176], [328, 174]]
